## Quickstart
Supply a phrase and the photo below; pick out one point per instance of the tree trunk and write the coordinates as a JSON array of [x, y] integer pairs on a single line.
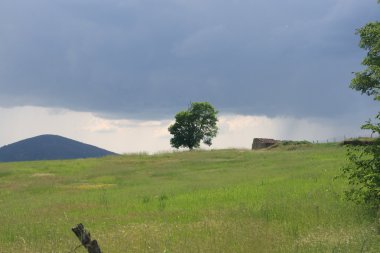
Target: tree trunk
[[85, 238]]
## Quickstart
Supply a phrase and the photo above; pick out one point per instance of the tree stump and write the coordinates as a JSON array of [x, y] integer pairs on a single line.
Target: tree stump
[[85, 238]]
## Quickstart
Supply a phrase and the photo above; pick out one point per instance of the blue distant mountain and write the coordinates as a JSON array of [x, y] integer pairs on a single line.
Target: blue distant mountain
[[49, 147]]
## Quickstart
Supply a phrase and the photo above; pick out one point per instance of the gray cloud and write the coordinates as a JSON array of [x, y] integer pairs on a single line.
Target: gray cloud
[[149, 59]]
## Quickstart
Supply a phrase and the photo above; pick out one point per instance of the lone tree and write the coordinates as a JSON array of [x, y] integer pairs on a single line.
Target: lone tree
[[196, 124], [363, 170]]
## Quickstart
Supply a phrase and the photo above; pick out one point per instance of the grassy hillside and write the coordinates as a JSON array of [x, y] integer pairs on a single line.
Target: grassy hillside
[[280, 200]]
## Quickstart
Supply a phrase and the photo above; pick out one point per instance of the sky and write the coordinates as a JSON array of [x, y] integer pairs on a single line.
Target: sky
[[113, 73]]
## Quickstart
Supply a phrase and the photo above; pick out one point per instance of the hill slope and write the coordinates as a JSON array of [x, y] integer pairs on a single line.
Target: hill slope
[[216, 201], [49, 147]]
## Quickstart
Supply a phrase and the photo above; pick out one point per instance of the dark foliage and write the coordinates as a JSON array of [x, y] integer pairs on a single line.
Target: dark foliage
[[196, 124], [363, 174], [363, 170]]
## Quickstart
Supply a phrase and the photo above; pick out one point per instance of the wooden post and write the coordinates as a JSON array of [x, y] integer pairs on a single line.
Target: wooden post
[[85, 238]]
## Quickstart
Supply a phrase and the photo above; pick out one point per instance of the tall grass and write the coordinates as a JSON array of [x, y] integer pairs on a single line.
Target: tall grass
[[210, 201]]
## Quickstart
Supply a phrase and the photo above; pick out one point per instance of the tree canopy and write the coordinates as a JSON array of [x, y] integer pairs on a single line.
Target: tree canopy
[[368, 80], [194, 125], [363, 169]]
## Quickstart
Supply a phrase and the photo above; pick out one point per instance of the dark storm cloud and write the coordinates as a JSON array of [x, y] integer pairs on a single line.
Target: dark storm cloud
[[146, 58]]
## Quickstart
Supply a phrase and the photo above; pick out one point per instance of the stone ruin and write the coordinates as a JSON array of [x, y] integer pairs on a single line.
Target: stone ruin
[[259, 143]]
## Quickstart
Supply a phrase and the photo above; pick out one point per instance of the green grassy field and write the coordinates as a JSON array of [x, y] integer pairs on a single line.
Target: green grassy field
[[279, 200]]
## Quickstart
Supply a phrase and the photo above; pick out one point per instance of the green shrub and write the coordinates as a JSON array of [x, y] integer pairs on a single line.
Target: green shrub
[[363, 173]]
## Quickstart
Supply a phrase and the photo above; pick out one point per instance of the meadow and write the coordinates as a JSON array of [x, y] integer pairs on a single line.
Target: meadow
[[280, 200]]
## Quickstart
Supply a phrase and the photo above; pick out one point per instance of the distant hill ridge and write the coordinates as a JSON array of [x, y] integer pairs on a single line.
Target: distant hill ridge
[[49, 147]]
